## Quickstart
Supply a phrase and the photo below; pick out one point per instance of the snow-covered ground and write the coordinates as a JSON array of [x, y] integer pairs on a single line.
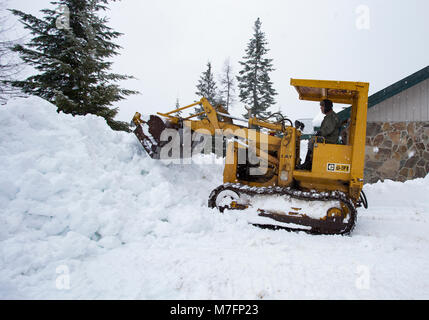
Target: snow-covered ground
[[84, 213]]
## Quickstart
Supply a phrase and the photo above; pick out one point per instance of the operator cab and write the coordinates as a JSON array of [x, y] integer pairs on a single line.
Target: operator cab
[[336, 166]]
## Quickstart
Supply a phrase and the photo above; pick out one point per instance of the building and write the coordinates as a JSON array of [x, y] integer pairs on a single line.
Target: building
[[397, 138]]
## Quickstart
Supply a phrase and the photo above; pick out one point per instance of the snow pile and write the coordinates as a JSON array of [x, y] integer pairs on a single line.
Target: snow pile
[[70, 186], [84, 213]]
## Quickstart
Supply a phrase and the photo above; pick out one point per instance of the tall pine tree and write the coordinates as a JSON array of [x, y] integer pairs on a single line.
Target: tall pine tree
[[70, 48], [256, 88]]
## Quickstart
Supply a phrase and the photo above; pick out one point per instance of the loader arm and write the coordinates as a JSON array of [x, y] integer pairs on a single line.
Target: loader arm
[[211, 125]]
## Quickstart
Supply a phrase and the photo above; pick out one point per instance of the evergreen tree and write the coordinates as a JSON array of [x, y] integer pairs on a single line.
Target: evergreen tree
[[227, 84], [10, 66], [256, 88], [206, 88], [178, 113], [70, 49]]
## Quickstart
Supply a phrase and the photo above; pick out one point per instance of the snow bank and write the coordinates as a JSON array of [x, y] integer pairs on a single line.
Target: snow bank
[[70, 187], [84, 213]]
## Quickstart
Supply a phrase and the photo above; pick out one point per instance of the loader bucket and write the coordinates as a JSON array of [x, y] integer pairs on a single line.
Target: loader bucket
[[149, 133]]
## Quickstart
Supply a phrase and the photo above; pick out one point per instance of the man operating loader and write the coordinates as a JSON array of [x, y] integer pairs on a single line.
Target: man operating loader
[[329, 130], [276, 197]]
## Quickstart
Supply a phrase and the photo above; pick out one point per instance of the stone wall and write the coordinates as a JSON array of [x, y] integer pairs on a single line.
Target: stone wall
[[396, 151]]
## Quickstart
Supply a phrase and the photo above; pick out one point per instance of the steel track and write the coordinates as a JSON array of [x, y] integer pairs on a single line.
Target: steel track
[[329, 226]]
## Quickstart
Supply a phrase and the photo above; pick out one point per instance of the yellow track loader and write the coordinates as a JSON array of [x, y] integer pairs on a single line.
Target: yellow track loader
[[261, 175]]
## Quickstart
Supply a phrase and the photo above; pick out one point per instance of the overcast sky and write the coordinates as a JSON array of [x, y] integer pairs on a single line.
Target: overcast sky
[[167, 44]]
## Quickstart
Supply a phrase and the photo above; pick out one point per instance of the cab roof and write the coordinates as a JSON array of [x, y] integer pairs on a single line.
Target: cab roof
[[337, 91]]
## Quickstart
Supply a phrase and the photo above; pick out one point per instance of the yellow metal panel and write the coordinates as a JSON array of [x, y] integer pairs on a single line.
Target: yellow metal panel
[[287, 158], [333, 99], [358, 143], [337, 91], [321, 177], [231, 159], [310, 181], [327, 155], [329, 84]]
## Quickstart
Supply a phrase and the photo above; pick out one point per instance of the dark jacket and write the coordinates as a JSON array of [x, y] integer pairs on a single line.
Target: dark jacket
[[330, 128]]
